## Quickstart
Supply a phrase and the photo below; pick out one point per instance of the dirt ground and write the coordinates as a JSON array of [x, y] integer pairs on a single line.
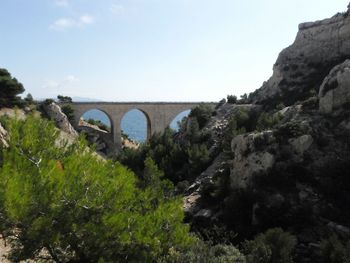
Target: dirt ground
[[3, 251]]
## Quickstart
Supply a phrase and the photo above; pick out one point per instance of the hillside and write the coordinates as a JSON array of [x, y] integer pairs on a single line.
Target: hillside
[[263, 179]]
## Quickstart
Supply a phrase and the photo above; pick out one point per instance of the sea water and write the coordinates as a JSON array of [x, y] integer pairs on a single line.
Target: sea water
[[134, 122]]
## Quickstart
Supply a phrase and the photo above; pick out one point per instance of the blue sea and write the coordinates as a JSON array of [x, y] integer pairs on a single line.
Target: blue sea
[[134, 122]]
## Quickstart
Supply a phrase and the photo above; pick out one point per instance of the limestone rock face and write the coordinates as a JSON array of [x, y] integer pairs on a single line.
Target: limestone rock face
[[248, 159], [301, 67], [55, 113], [335, 90], [302, 143]]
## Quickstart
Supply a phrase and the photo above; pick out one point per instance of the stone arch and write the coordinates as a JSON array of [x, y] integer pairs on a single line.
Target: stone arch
[[96, 110], [136, 111], [173, 123]]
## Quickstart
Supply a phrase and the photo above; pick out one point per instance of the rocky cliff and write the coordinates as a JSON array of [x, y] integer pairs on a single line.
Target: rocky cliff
[[292, 173], [301, 67]]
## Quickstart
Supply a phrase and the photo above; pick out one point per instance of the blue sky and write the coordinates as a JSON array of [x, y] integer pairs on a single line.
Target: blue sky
[[149, 50]]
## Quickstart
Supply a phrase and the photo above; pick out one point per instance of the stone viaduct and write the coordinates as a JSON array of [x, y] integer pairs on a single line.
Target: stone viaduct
[[158, 114]]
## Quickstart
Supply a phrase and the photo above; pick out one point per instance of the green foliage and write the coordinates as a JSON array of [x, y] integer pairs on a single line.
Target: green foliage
[[334, 251], [69, 112], [198, 158], [244, 99], [178, 160], [64, 99], [202, 113], [273, 246], [154, 178], [238, 124], [267, 121], [231, 99], [48, 101], [203, 252], [10, 88], [280, 106], [81, 208], [29, 99], [100, 124]]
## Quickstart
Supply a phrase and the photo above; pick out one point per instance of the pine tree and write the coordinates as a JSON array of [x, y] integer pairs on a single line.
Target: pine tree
[[80, 208]]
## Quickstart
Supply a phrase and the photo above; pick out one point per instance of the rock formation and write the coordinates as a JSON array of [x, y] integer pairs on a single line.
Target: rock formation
[[294, 174], [334, 92], [301, 67], [55, 113]]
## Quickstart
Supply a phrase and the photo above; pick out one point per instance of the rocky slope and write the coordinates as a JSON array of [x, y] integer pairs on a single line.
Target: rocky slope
[[301, 68], [294, 174]]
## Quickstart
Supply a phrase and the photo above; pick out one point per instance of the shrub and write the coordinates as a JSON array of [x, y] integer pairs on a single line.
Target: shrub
[[202, 113], [202, 252], [103, 126], [64, 99], [273, 246], [333, 251], [238, 124], [267, 121], [29, 99], [77, 207], [68, 110], [48, 101], [231, 99], [10, 88]]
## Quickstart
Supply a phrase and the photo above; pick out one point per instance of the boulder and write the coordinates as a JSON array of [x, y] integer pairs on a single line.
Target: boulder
[[55, 113], [301, 143], [335, 90], [249, 159]]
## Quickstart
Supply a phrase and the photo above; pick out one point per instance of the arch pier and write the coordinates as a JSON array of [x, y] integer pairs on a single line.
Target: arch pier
[[158, 114]]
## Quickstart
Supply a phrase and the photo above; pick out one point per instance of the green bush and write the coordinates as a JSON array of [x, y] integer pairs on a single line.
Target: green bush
[[10, 88], [78, 207], [231, 99], [64, 99], [29, 99], [179, 159], [267, 121], [102, 126], [334, 251], [203, 252], [202, 113], [238, 124], [273, 246], [68, 110]]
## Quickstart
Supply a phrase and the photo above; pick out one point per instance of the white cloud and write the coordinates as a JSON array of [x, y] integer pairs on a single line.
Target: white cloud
[[66, 85], [117, 9], [66, 23], [86, 20], [62, 3]]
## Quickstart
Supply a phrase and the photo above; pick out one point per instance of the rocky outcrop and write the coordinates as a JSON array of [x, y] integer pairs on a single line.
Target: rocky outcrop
[[55, 113], [3, 137], [101, 139], [249, 159], [301, 68], [334, 92]]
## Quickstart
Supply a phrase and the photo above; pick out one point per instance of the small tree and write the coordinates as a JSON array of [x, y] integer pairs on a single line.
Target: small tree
[[29, 98], [273, 246], [64, 99], [10, 88], [202, 113], [231, 99], [79, 208], [68, 110]]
